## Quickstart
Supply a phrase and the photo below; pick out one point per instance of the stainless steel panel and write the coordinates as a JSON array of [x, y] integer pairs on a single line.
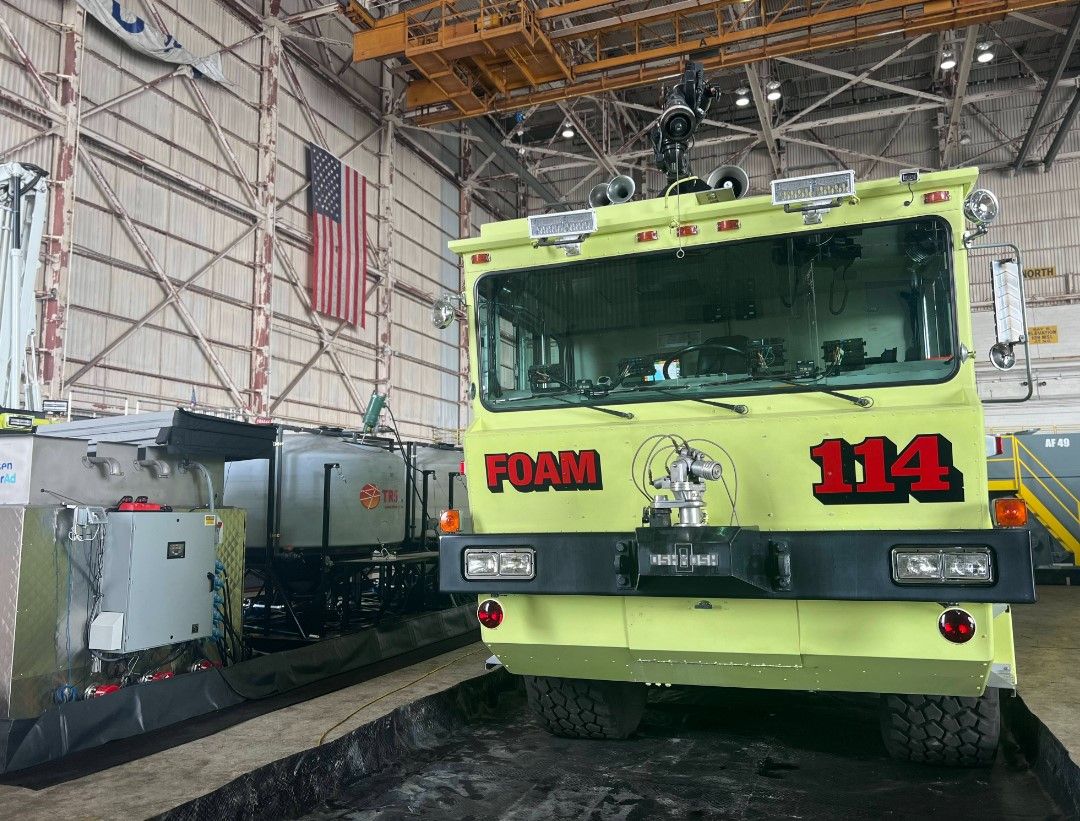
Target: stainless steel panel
[[368, 474], [164, 600], [11, 534]]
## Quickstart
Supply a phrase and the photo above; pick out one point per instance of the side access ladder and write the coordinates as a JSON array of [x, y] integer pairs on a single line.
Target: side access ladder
[[1044, 471]]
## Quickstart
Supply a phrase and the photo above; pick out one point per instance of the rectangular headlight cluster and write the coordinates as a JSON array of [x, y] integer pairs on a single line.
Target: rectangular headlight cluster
[[942, 565], [500, 563]]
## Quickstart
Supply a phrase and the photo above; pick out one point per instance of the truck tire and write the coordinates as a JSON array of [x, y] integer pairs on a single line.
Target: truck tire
[[950, 730], [581, 708]]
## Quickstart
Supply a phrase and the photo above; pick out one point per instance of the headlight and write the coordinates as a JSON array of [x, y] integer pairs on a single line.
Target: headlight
[[942, 565], [495, 563], [481, 564], [981, 207], [974, 566], [917, 566]]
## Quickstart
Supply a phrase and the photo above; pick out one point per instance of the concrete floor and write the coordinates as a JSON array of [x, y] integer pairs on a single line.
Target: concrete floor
[[1048, 650], [159, 782], [1047, 638]]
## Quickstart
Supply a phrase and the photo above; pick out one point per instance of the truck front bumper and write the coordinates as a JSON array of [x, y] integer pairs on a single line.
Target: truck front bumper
[[742, 563]]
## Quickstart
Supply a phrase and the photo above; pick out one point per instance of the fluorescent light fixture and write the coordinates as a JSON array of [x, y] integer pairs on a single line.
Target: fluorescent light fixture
[[985, 54], [568, 131], [948, 61], [772, 91], [742, 99]]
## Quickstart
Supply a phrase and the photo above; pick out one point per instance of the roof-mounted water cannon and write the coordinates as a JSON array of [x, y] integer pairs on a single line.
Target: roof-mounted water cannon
[[684, 107]]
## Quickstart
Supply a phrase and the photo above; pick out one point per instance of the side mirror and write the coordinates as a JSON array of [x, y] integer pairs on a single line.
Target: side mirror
[[1009, 322], [444, 311]]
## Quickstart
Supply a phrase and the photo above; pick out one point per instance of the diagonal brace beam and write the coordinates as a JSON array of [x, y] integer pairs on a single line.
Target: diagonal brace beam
[[1048, 92], [166, 283]]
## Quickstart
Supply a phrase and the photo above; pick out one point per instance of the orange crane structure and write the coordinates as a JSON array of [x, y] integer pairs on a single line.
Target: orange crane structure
[[476, 57]]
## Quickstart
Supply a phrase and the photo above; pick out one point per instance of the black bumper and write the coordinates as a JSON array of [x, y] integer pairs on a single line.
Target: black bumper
[[732, 562]]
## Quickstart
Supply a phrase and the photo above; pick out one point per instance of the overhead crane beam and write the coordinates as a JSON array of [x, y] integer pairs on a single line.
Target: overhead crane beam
[[506, 54]]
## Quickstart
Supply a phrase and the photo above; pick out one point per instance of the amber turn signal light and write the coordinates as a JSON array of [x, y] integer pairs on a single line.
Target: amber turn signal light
[[450, 521], [1010, 512]]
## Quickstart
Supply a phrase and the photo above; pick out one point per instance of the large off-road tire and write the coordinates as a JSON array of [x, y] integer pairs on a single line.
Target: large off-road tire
[[580, 708], [951, 730]]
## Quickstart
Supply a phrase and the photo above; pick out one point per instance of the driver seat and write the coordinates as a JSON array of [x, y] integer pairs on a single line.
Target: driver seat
[[718, 360]]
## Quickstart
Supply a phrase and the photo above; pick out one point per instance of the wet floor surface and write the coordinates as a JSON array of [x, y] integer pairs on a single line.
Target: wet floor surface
[[700, 754]]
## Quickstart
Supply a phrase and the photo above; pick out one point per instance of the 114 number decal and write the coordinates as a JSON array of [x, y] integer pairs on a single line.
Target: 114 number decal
[[923, 470]]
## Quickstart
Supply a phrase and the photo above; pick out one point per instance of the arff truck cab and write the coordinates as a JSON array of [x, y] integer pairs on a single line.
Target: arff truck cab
[[737, 442]]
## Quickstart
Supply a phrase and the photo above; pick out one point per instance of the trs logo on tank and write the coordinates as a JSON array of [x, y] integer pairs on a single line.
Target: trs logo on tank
[[565, 470]]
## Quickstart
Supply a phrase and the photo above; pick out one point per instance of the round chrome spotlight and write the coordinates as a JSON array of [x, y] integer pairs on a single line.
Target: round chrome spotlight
[[981, 207], [443, 312], [1002, 356]]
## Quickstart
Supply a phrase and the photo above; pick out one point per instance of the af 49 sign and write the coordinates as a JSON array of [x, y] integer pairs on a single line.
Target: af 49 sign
[[922, 470]]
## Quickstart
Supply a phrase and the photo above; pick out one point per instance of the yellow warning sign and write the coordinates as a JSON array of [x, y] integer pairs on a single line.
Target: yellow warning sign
[[1042, 334], [209, 520]]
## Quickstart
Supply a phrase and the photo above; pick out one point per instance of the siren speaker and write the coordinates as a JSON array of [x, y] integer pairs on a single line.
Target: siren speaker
[[731, 177], [598, 196], [621, 189]]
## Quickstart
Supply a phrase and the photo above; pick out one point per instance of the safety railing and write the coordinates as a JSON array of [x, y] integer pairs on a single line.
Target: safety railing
[[1049, 498]]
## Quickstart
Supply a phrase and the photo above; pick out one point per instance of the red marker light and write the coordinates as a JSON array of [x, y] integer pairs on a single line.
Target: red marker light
[[956, 625], [159, 676], [99, 690], [687, 231], [490, 614], [481, 258], [728, 225], [934, 197], [648, 236]]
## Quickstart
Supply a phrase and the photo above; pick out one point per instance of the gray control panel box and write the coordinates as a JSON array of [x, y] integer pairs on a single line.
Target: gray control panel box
[[155, 575]]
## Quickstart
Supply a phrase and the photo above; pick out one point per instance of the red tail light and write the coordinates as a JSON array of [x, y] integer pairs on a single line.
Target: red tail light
[[687, 230], [481, 258], [934, 197], [648, 236], [957, 625], [728, 225], [490, 614]]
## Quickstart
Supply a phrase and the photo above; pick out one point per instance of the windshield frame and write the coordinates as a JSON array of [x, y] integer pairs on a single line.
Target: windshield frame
[[769, 387]]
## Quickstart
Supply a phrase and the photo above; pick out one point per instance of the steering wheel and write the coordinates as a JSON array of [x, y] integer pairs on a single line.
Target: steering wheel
[[712, 346]]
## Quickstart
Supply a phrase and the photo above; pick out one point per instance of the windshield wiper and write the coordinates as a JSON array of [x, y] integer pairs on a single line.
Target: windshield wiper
[[814, 387], [739, 409], [587, 404], [559, 397]]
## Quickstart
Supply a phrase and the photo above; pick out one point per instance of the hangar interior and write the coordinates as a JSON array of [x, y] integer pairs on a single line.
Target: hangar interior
[[282, 329]]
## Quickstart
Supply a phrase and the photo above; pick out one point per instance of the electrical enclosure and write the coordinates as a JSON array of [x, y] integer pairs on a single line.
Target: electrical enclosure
[[155, 574]]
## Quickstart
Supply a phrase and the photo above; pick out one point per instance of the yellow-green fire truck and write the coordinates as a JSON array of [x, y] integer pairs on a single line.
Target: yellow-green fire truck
[[737, 442]]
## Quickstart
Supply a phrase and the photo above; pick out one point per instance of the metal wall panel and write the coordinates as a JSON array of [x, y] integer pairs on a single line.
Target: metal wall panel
[[112, 285]]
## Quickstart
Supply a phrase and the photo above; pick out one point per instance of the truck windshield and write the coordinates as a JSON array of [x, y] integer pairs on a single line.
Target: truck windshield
[[836, 308]]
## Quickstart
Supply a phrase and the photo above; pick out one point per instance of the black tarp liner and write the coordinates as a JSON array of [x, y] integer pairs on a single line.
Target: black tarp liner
[[81, 725], [476, 752], [297, 783], [195, 436]]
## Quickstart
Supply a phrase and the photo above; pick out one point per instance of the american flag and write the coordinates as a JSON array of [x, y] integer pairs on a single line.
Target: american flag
[[338, 206]]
